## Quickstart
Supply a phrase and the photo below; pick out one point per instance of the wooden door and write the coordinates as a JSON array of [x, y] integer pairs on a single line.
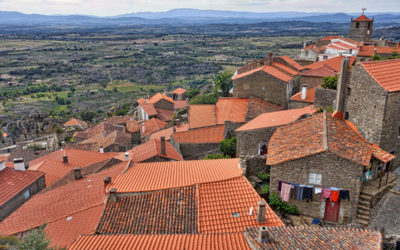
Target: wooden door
[[332, 211]]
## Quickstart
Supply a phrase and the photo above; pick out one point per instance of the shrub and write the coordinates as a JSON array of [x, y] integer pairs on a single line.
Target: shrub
[[216, 156], [205, 99], [228, 147], [276, 202], [265, 189], [263, 176], [330, 82]]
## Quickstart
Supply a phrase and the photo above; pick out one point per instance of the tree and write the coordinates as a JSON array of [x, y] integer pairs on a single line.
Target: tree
[[228, 147], [376, 57], [192, 93], [205, 99], [223, 83], [35, 240], [330, 82], [88, 116]]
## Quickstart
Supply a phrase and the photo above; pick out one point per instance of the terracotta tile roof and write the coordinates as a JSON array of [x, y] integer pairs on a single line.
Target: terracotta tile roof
[[213, 134], [308, 47], [386, 73], [12, 182], [381, 154], [54, 170], [163, 175], [231, 109], [277, 73], [316, 238], [274, 119], [328, 38], [218, 201], [102, 127], [157, 97], [202, 115], [151, 126], [179, 91], [76, 158], [362, 18], [117, 120], [63, 232], [257, 106], [148, 108], [152, 148], [141, 100], [170, 211], [310, 94], [180, 104], [226, 241], [132, 126], [292, 62], [333, 63], [164, 114], [60, 202], [95, 142], [323, 71], [345, 45], [75, 122], [285, 68], [246, 73], [317, 134], [169, 131], [386, 50]]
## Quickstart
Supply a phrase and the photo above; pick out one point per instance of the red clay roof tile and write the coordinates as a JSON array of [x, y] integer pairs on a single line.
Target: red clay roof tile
[[180, 104], [277, 73], [323, 71], [333, 63], [213, 134], [386, 73], [132, 126], [285, 68], [165, 114], [202, 115], [157, 97], [151, 126], [362, 18], [310, 94], [274, 119], [292, 62], [75, 122], [179, 91], [152, 148], [169, 131], [231, 109], [163, 175], [148, 108]]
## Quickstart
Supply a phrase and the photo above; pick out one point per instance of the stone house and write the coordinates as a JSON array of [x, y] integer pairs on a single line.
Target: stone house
[[116, 141], [178, 94], [302, 99], [273, 80], [323, 152], [369, 96], [199, 142], [315, 76], [253, 137], [361, 28], [17, 185]]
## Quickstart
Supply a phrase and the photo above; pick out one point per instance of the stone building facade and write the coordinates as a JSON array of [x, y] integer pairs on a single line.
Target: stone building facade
[[250, 142], [335, 171], [361, 28], [374, 109]]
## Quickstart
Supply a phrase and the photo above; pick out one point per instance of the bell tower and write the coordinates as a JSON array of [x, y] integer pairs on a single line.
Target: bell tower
[[361, 28]]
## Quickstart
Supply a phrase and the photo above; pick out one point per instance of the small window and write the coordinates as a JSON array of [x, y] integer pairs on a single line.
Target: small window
[[325, 57], [357, 25], [262, 149], [346, 115], [27, 194], [314, 178], [348, 90], [399, 132]]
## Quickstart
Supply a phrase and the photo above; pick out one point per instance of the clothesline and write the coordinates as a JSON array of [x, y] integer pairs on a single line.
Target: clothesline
[[305, 192]]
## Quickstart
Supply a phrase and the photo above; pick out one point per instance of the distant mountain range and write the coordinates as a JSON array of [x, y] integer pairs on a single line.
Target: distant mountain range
[[188, 17]]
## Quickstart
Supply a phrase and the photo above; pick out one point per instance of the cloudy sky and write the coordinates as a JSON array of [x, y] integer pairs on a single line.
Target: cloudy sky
[[114, 7]]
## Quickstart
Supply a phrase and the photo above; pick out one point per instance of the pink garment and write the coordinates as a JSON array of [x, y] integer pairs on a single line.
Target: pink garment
[[285, 192], [326, 193]]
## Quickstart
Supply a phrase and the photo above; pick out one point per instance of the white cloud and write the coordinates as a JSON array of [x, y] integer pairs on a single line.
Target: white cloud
[[113, 7]]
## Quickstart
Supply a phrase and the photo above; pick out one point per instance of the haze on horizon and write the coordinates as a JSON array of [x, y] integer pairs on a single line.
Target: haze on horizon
[[117, 7]]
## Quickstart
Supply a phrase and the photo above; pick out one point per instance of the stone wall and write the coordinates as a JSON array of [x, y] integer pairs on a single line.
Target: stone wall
[[366, 104], [311, 81], [361, 33], [298, 104], [262, 85], [197, 151], [336, 172], [17, 201], [249, 141], [324, 98], [230, 127], [390, 139], [254, 164]]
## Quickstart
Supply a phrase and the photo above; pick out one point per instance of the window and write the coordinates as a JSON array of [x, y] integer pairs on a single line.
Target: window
[[246, 86], [399, 133], [325, 58], [314, 178], [348, 90], [357, 25], [346, 115], [262, 148], [27, 194]]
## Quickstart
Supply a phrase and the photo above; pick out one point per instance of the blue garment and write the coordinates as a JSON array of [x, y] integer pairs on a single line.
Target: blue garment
[[300, 193]]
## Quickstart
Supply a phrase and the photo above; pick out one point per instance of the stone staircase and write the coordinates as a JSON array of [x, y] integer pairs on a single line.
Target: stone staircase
[[364, 207]]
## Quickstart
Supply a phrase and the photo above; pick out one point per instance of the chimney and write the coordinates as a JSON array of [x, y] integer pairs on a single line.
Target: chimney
[[263, 235], [2, 165], [261, 212], [19, 164], [163, 152], [113, 194], [304, 92], [101, 149], [270, 55], [126, 156], [77, 173], [342, 84], [65, 159]]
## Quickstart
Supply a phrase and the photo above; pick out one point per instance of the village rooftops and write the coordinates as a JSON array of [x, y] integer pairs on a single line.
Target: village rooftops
[[321, 133], [157, 97], [292, 62], [151, 126], [202, 115], [153, 148], [169, 131], [148, 108], [69, 210], [231, 109], [75, 122], [310, 95], [333, 63], [323, 71], [163, 175], [278, 118], [386, 73], [280, 74]]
